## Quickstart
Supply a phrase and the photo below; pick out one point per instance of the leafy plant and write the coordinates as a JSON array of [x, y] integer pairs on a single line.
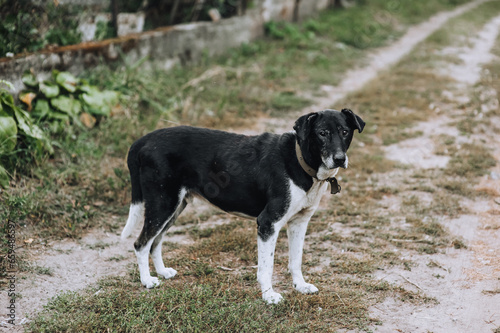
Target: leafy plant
[[66, 99], [289, 31], [16, 127]]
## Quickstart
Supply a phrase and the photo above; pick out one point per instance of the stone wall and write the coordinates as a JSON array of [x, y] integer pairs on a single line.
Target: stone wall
[[164, 47]]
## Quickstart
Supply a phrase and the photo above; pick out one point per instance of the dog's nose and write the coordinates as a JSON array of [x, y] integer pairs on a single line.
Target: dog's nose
[[339, 160]]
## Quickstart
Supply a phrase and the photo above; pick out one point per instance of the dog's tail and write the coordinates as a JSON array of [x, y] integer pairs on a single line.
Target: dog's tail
[[136, 212]]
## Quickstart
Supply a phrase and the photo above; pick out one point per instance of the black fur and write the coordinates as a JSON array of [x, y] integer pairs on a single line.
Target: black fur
[[237, 173]]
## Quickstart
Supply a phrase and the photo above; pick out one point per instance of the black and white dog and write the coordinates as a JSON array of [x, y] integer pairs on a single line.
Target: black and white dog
[[277, 179]]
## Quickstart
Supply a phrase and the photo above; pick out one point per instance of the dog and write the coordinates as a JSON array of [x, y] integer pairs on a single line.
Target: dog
[[274, 178]]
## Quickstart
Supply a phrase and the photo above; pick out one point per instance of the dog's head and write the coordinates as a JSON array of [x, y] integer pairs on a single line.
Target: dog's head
[[325, 136]]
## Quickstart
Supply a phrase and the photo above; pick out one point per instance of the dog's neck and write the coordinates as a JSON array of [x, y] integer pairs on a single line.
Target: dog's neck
[[307, 168], [324, 174]]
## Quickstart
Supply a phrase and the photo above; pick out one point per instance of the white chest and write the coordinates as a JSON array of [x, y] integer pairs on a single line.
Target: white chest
[[300, 199]]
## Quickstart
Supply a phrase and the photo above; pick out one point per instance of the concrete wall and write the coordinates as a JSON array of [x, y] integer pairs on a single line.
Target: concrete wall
[[165, 47]]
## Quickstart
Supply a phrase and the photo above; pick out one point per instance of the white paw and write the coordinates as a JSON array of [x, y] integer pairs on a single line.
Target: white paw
[[167, 273], [150, 282], [271, 297], [306, 288]]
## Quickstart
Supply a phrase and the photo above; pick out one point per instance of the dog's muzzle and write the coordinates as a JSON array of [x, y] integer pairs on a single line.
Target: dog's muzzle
[[338, 160]]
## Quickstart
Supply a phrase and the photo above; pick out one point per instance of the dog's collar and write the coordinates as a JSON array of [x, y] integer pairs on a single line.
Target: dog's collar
[[334, 184], [307, 168]]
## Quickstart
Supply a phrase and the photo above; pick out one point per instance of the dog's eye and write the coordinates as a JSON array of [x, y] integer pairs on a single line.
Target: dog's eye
[[345, 132], [322, 133]]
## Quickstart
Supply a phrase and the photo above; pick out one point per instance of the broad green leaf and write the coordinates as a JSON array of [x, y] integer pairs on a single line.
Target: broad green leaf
[[99, 102], [29, 79], [110, 97], [8, 133], [67, 105], [25, 125], [67, 81], [58, 116], [7, 99], [41, 109], [85, 87], [50, 90], [4, 177], [31, 130]]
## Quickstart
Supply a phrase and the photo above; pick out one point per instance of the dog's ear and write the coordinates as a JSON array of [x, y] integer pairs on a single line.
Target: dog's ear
[[304, 124], [354, 120]]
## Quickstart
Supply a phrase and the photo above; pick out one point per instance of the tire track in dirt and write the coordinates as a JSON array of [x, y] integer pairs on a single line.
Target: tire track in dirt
[[75, 265]]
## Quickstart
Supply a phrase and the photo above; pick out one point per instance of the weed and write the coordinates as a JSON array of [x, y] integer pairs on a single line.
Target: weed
[[459, 187], [458, 244], [42, 270], [408, 265], [471, 160], [116, 258], [99, 245], [430, 228], [427, 249]]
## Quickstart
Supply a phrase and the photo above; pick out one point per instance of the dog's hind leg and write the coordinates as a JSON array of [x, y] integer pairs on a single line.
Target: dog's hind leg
[[161, 208], [167, 273], [296, 232], [136, 212]]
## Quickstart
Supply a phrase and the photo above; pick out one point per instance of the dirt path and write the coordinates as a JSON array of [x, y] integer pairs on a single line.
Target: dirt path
[[464, 277], [75, 265]]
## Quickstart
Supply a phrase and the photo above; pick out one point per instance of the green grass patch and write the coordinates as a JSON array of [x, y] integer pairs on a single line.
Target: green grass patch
[[223, 303]]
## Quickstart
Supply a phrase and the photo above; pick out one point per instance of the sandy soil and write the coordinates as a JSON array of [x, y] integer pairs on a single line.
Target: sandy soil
[[466, 274]]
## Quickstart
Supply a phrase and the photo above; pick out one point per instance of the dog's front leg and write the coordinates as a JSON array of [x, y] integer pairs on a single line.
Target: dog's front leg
[[266, 244], [296, 232]]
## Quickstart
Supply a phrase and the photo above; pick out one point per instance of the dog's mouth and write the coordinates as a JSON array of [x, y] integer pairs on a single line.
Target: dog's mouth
[[334, 162], [339, 165]]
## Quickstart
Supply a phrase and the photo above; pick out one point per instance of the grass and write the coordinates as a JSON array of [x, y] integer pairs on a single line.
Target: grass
[[43, 270], [205, 298], [201, 307], [472, 160]]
